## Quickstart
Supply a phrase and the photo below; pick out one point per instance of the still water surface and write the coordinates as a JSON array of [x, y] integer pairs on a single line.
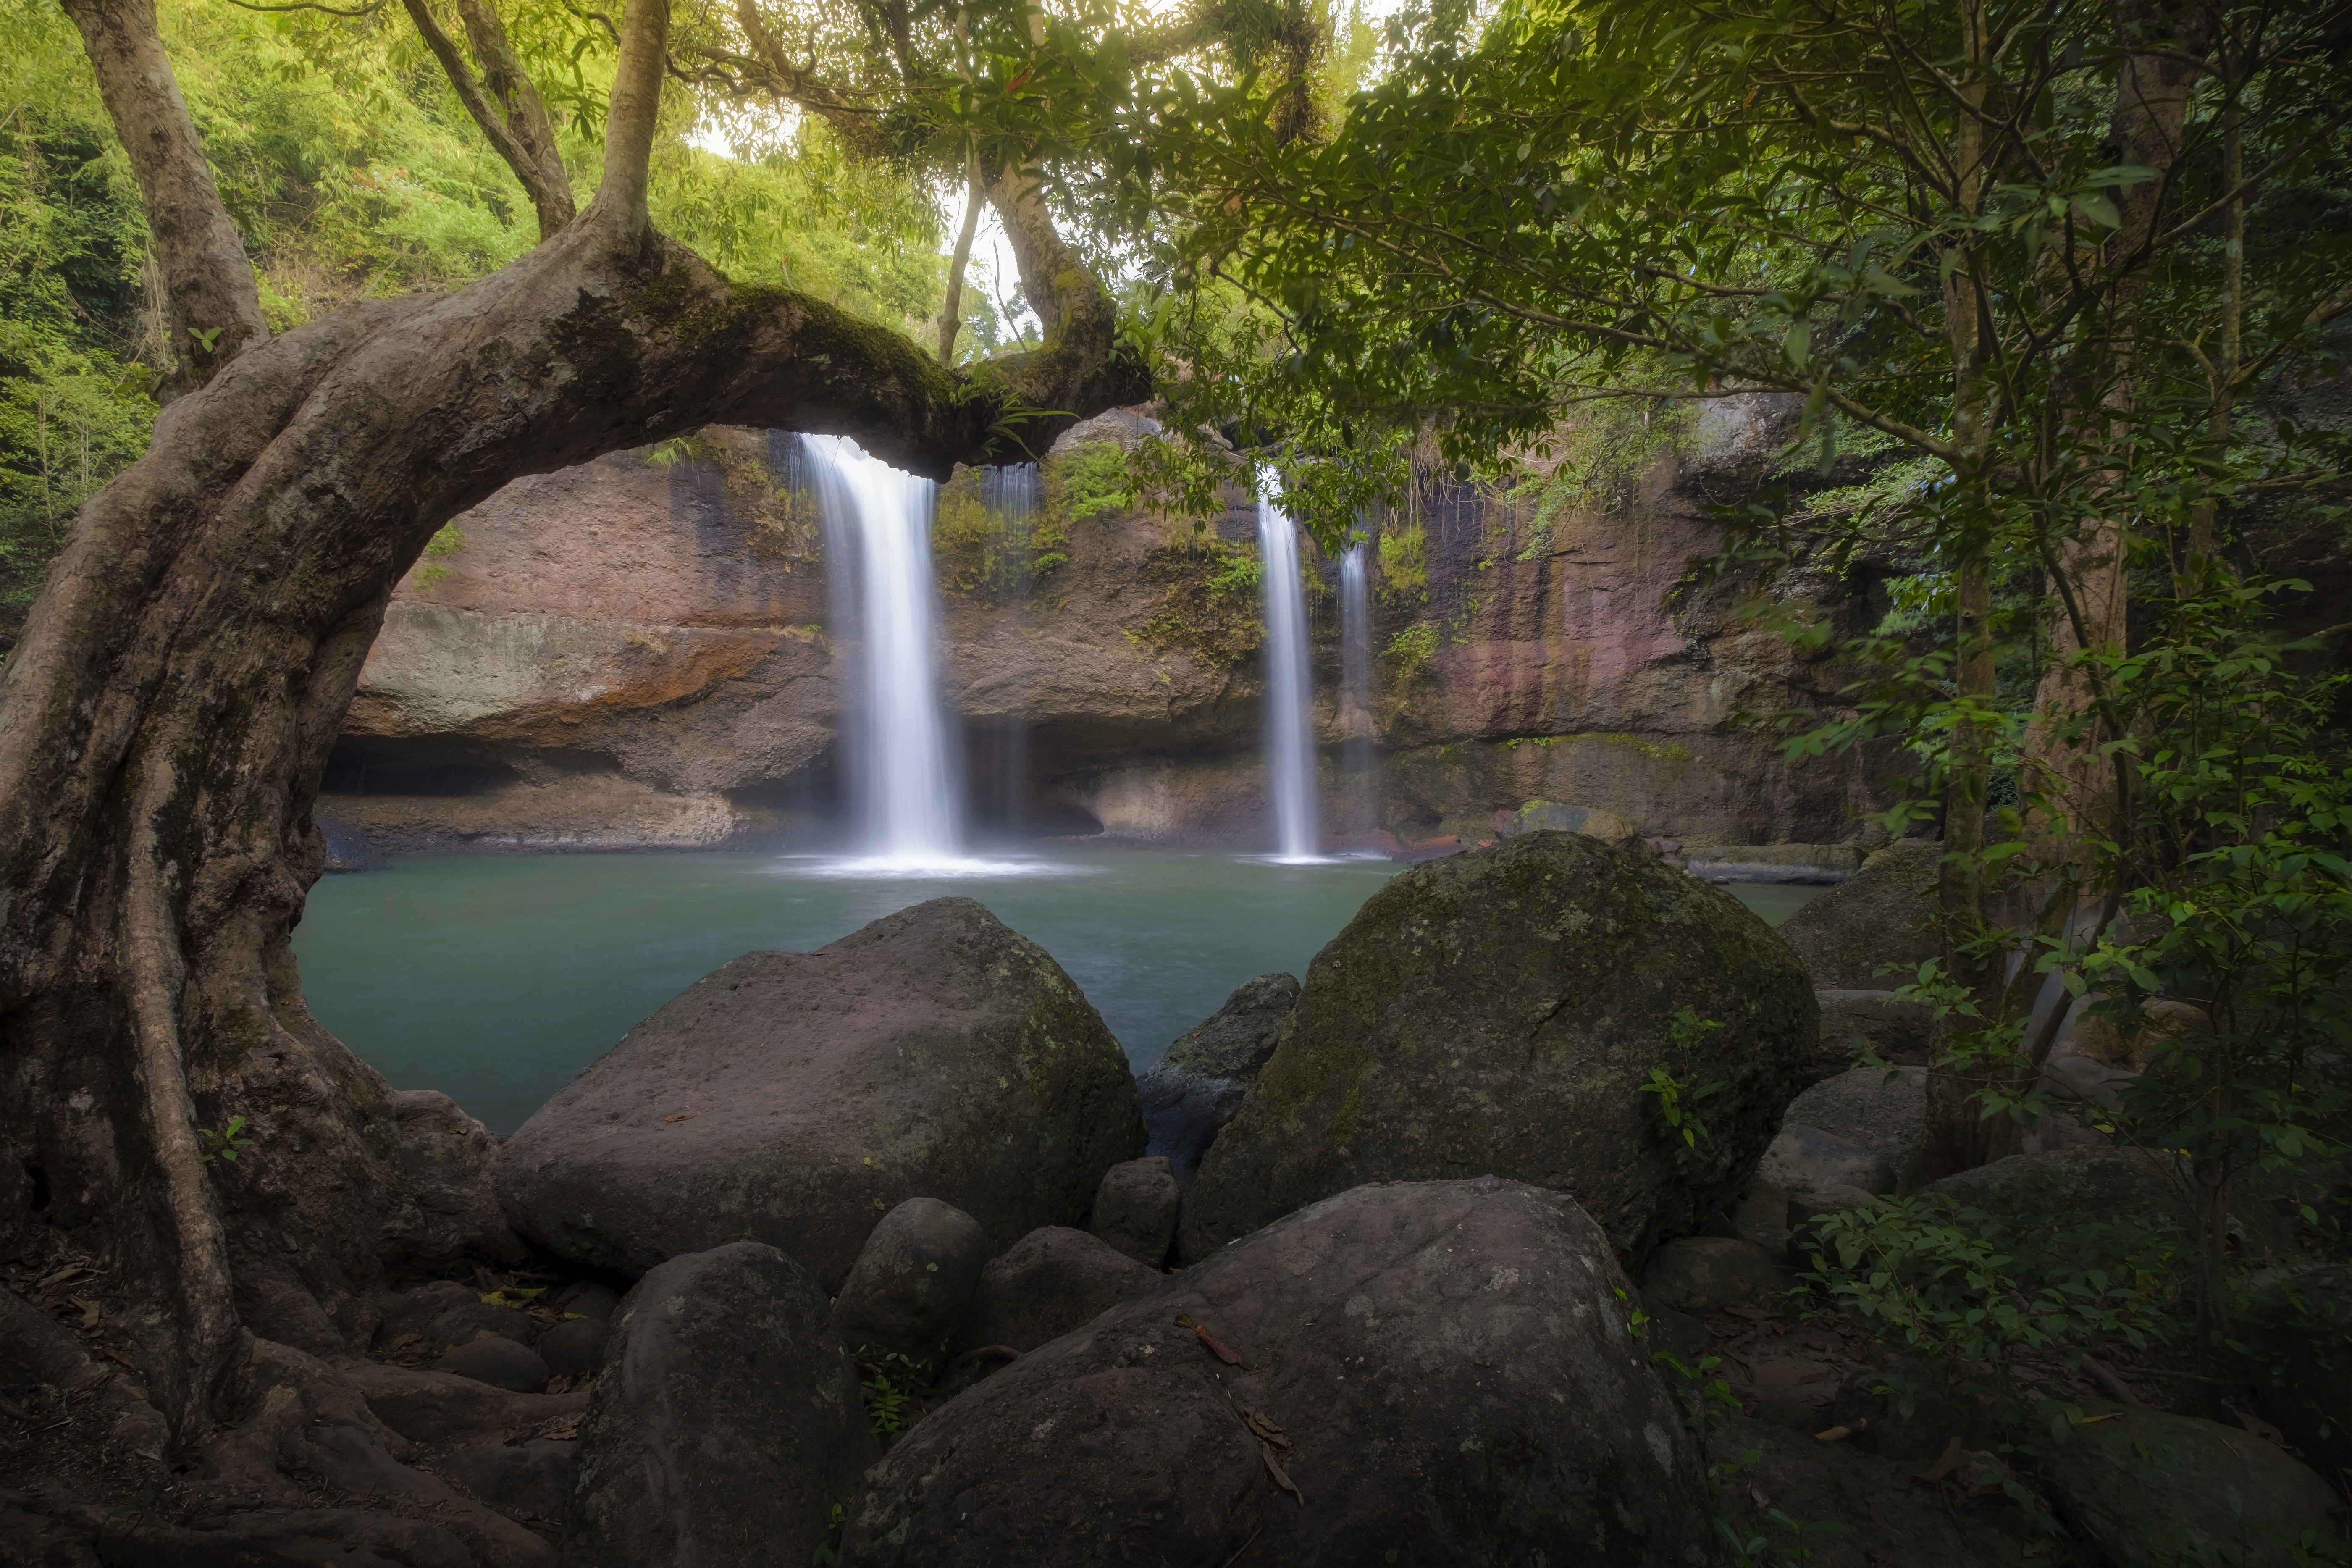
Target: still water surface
[[496, 978]]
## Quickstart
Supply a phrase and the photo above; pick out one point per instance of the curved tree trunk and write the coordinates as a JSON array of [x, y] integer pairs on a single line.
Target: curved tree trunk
[[166, 718]]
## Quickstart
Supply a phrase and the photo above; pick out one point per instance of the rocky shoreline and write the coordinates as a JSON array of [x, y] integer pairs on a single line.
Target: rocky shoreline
[[878, 1255]]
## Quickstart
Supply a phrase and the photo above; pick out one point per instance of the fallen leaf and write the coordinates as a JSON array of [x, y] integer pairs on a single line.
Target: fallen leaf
[[1280, 1478], [1758, 1493], [118, 1355], [2255, 1424], [1840, 1434], [61, 1276], [89, 1311], [562, 1428], [1266, 1430], [2091, 1420], [684, 1114], [1215, 1346], [1945, 1466]]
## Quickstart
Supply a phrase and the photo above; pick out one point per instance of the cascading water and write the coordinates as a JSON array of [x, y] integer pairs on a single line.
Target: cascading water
[[902, 774], [1290, 758], [1356, 687]]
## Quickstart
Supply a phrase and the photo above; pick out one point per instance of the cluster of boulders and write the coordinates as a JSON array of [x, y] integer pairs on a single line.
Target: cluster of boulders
[[881, 1252]]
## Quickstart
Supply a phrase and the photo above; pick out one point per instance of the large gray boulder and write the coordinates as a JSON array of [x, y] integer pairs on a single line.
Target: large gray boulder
[[1883, 914], [1234, 1041], [726, 1424], [794, 1097], [1442, 1371], [2150, 1489], [913, 1279], [1879, 1109], [1499, 1013]]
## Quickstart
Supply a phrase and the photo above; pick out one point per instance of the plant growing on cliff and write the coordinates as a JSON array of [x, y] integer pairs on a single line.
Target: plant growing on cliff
[[447, 541], [1089, 482]]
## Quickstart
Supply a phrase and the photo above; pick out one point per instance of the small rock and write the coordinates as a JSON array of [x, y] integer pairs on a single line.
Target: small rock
[[1136, 1208], [1707, 1273], [1184, 1112], [572, 1347], [530, 1478], [1803, 1157], [1234, 1041], [913, 1278], [1877, 1109], [1880, 918], [347, 849], [500, 1362], [726, 1422], [587, 1297], [2149, 1487], [1052, 1280]]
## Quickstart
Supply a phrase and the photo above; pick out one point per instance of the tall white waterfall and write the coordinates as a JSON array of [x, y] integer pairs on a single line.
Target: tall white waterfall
[[1356, 687], [902, 755], [1290, 756]]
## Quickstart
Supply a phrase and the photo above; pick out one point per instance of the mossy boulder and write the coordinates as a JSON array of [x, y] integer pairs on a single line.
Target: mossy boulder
[[1884, 915], [1500, 1013], [796, 1098]]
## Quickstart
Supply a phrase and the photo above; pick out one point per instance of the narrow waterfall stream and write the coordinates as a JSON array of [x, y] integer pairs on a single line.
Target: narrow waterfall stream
[[1010, 493], [1289, 751], [1356, 689], [903, 779]]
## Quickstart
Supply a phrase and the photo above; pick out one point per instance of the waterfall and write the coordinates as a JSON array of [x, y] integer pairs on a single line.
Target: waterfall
[[1010, 495], [878, 536], [1356, 688], [1290, 757]]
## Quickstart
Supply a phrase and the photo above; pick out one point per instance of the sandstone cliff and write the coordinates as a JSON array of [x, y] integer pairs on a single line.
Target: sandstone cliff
[[637, 653]]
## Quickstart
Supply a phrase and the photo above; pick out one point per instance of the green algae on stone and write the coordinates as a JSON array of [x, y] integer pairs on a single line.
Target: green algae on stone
[[1496, 1013]]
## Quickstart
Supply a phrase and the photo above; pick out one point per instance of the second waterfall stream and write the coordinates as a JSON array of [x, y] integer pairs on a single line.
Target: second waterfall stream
[[1289, 746]]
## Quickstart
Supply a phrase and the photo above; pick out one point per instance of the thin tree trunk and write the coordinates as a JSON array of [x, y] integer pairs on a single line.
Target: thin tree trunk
[[213, 309], [952, 311], [523, 136], [167, 714]]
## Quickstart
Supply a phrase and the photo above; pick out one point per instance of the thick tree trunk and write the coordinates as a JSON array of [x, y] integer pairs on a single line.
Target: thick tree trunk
[[166, 718]]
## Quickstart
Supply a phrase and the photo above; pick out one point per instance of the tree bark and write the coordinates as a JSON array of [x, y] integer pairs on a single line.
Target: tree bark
[[166, 716], [214, 308]]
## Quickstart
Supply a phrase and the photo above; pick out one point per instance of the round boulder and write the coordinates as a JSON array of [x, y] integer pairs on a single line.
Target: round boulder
[[1234, 1041], [1502, 1012], [1884, 915], [794, 1097], [1136, 1209], [913, 1277], [726, 1424], [1436, 1371], [1052, 1280]]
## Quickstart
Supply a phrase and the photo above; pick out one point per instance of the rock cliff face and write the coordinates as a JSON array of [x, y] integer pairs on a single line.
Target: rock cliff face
[[638, 652]]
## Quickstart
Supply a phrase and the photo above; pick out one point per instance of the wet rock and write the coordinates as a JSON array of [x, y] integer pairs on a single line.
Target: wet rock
[[1234, 1041], [1500, 1012], [573, 1347], [1707, 1273], [1882, 915], [1549, 816], [1803, 1157], [1184, 1113], [1136, 1208], [797, 1096], [913, 1279], [1894, 1029], [2149, 1488], [531, 1479], [726, 1424], [500, 1362], [1879, 1109], [1442, 1370], [347, 849], [1052, 1280]]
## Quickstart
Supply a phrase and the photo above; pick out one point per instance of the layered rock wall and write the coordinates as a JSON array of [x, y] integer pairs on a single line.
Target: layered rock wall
[[641, 652]]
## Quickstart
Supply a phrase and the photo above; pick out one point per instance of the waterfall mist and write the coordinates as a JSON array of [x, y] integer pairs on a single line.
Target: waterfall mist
[[1290, 756], [902, 774]]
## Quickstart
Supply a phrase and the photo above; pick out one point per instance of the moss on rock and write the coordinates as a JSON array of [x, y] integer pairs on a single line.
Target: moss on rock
[[1500, 1013]]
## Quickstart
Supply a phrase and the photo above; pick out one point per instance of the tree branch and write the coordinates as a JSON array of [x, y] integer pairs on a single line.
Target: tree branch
[[213, 306], [526, 113], [553, 198]]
